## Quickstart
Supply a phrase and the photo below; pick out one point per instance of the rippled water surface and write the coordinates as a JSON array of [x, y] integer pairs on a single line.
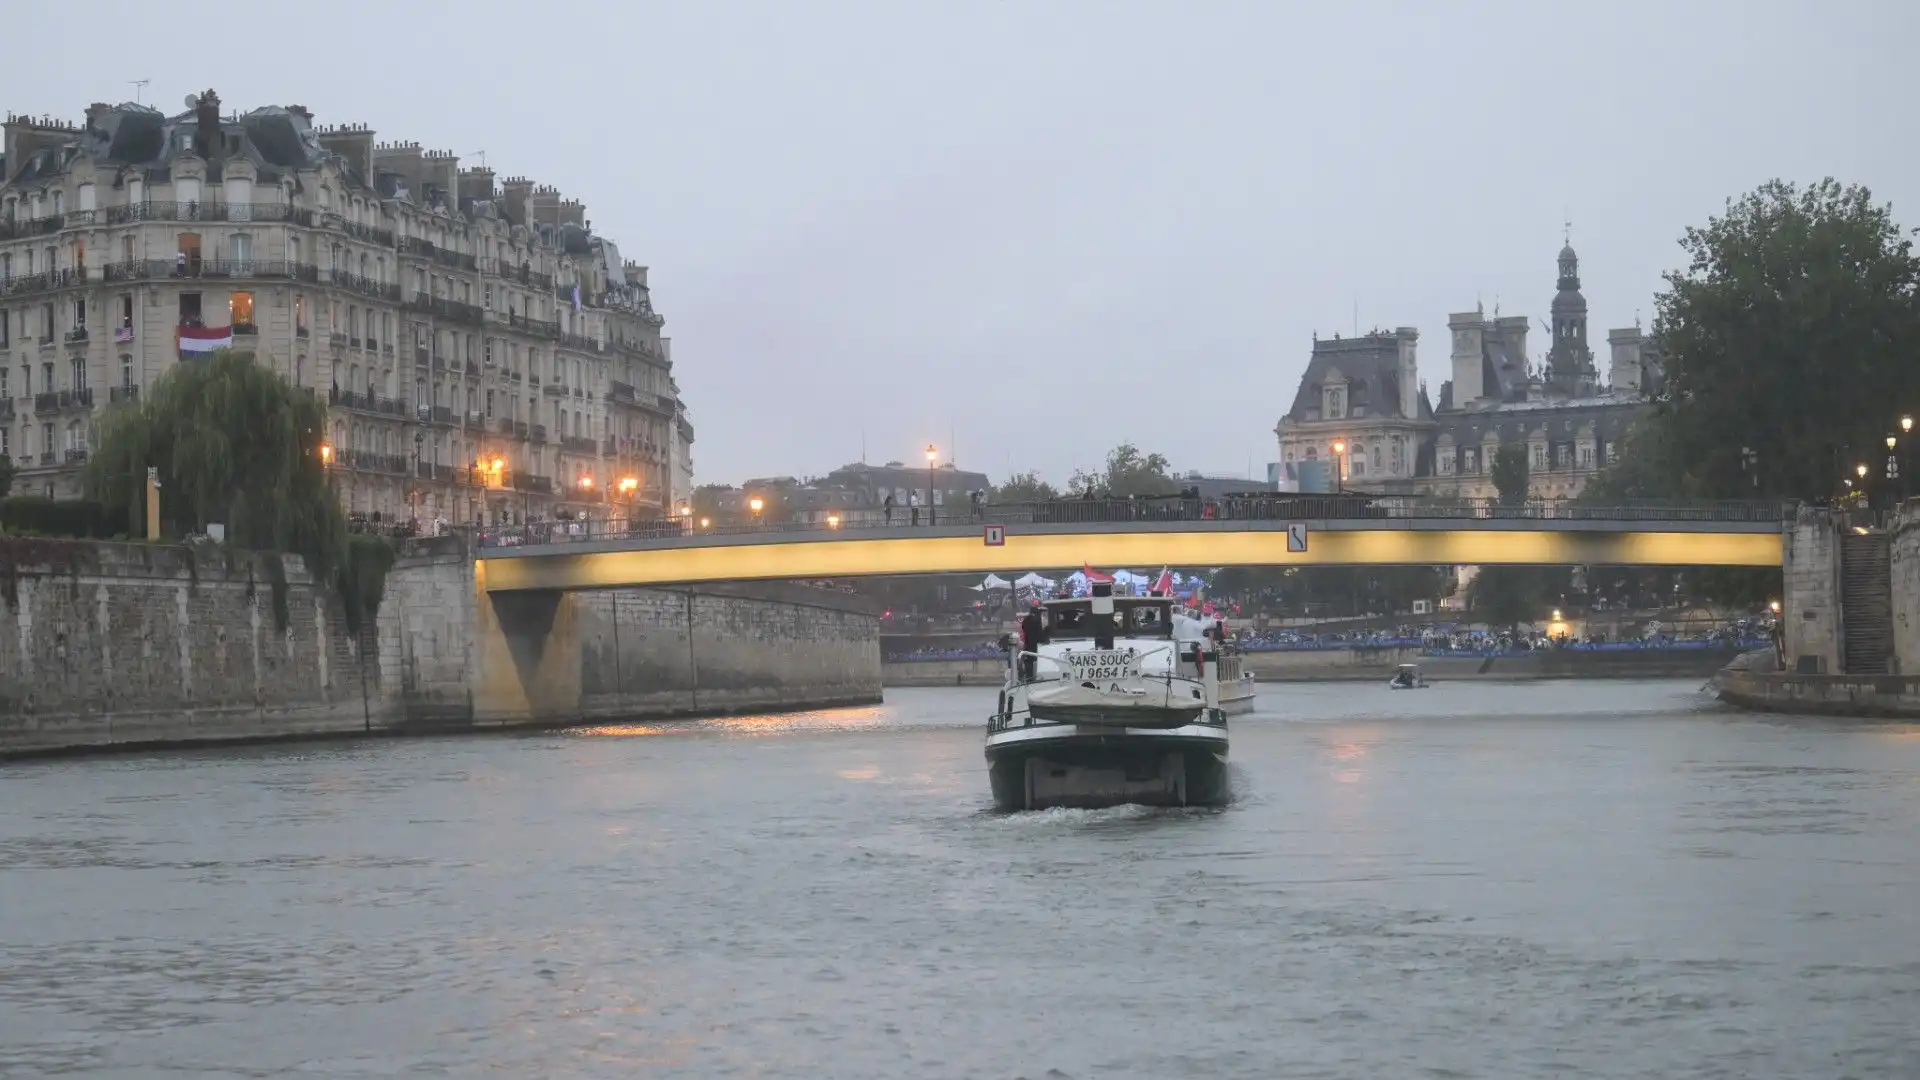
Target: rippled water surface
[[1566, 880]]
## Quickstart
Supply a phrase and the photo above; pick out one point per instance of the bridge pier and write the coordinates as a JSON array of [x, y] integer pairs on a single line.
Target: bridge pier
[[529, 658]]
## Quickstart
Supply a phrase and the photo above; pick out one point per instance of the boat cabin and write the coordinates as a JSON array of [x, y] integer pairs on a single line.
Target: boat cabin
[[1133, 617]]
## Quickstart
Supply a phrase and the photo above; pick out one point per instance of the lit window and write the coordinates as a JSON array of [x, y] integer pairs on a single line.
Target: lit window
[[240, 309]]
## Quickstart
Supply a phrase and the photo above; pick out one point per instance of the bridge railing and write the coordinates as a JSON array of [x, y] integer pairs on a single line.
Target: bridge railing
[[1146, 511]]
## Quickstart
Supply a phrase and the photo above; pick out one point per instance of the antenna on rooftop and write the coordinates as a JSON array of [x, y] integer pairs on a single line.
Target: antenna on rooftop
[[482, 155], [139, 88]]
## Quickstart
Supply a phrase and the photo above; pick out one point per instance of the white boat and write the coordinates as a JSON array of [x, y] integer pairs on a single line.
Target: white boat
[[1114, 705], [1236, 685], [1408, 677]]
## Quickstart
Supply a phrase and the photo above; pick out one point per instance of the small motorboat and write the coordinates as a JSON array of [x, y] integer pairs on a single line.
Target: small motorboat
[[1408, 677]]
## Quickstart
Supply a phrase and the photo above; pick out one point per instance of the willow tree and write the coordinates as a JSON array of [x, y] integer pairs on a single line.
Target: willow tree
[[235, 444]]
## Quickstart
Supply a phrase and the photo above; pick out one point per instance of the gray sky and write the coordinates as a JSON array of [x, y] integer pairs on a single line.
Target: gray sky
[[922, 221]]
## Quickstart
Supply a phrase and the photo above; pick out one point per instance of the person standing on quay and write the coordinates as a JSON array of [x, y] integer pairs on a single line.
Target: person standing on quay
[[886, 509]]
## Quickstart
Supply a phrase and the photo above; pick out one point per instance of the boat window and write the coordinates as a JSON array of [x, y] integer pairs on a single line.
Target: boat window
[[1149, 620], [1070, 624]]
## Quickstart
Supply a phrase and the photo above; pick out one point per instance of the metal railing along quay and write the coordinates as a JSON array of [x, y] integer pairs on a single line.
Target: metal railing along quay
[[1319, 508]]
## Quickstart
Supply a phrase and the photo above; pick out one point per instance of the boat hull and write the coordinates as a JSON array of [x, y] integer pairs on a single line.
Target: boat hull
[[1065, 766]]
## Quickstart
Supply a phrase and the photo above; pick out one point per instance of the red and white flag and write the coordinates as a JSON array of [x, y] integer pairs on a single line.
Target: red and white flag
[[1163, 585], [1095, 575], [204, 339]]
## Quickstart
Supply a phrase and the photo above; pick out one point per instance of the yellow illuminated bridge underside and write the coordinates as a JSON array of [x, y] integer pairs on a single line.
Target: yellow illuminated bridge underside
[[714, 559]]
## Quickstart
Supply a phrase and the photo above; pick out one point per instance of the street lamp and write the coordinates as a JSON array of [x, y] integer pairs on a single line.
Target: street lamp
[[704, 522], [326, 455], [833, 521], [1339, 464], [1774, 606], [931, 454], [1906, 424], [755, 504]]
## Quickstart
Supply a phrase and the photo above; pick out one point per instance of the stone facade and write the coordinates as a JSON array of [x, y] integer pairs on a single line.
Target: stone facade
[[484, 353], [1904, 570], [1810, 613], [114, 644], [1364, 394]]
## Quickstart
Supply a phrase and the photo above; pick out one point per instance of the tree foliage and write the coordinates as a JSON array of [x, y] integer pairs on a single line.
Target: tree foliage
[[6, 476], [1789, 340], [1127, 472], [1026, 487], [1510, 474], [1509, 595], [236, 444]]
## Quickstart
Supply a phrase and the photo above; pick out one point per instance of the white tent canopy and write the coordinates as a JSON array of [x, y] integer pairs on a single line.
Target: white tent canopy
[[1031, 580], [995, 581]]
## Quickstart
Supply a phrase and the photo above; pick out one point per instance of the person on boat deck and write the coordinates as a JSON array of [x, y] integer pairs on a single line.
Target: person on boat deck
[[1032, 633]]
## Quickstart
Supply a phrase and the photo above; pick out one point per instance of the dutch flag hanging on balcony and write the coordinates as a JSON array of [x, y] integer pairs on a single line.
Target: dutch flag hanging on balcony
[[195, 340]]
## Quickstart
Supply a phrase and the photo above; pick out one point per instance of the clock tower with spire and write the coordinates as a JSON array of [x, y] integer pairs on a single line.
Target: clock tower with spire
[[1570, 368]]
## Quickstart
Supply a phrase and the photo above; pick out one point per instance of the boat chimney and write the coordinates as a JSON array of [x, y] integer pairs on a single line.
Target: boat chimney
[[1103, 614]]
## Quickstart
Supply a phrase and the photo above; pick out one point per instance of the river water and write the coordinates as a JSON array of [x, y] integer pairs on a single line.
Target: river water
[[1526, 880]]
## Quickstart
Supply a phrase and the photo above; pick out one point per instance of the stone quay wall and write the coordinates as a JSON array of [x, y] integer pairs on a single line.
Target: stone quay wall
[[133, 645]]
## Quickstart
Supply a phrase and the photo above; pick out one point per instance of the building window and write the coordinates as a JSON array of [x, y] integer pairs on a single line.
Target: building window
[[190, 309], [79, 314], [300, 314], [126, 312], [1539, 455], [1586, 456], [78, 372], [240, 310], [1613, 450], [1335, 403], [1467, 463], [241, 247], [126, 371]]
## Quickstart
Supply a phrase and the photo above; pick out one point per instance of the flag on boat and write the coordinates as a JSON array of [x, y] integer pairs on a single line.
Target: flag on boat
[[1163, 585], [203, 339], [1093, 575]]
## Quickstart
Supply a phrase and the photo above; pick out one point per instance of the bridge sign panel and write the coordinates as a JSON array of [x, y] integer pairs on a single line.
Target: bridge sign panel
[[1296, 536], [995, 535]]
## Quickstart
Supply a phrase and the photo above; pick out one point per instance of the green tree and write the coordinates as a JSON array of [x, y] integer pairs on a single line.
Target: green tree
[[6, 476], [1789, 341], [1026, 487], [235, 443], [1508, 595], [1511, 478], [1128, 471]]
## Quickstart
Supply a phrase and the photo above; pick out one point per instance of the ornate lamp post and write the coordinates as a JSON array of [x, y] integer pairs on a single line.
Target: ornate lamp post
[[1339, 465]]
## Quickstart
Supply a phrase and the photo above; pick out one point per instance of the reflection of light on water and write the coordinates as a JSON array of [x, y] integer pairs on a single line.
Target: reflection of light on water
[[859, 774], [1348, 776], [855, 718]]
